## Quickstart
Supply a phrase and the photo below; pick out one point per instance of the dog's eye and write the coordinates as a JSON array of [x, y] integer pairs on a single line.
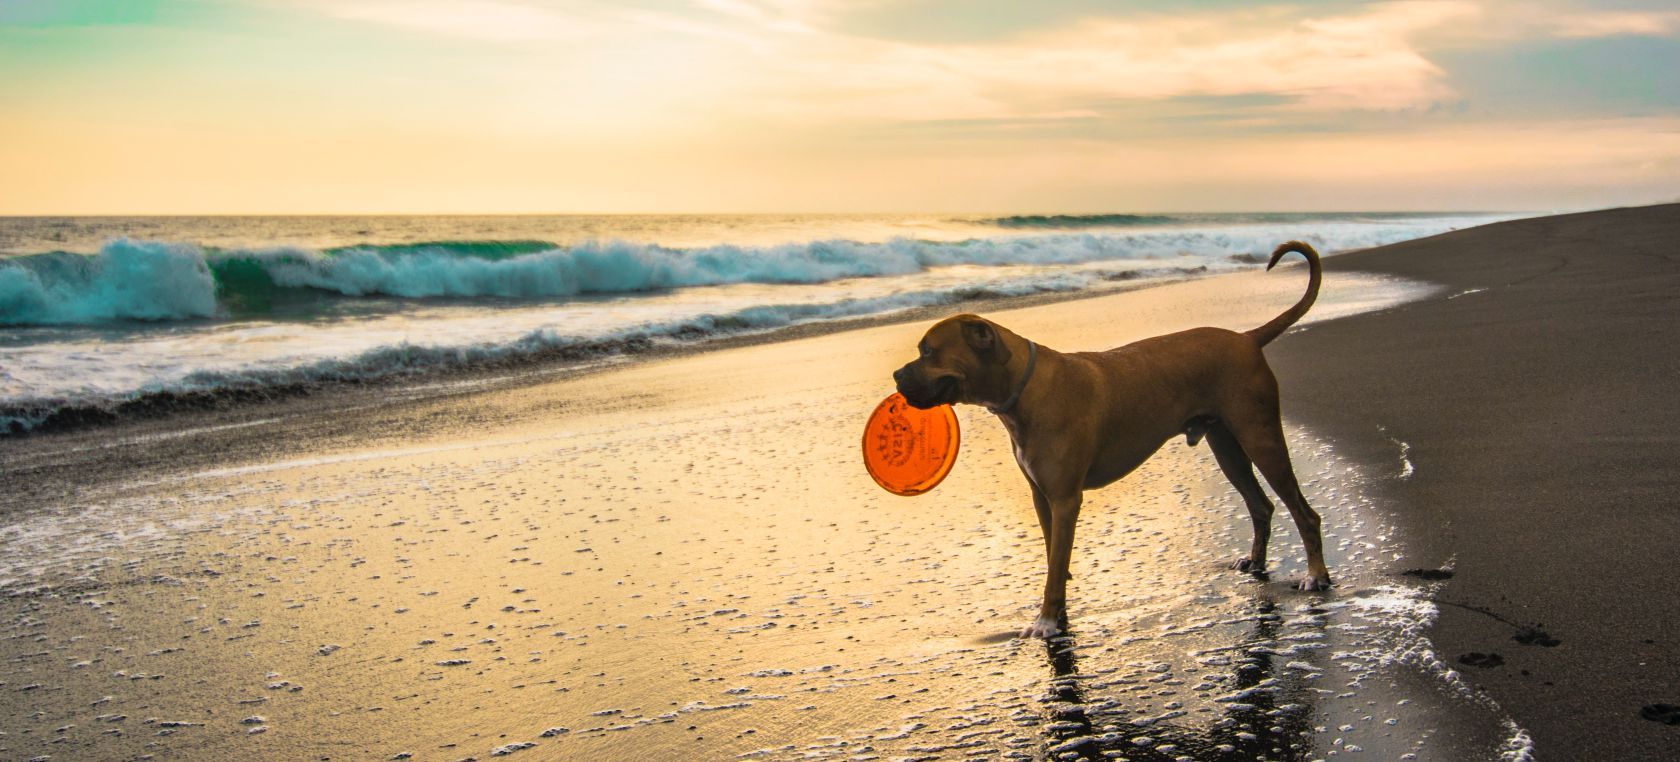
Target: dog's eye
[[926, 352]]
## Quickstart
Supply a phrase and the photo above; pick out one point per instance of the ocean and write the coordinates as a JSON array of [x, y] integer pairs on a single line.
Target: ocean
[[100, 313]]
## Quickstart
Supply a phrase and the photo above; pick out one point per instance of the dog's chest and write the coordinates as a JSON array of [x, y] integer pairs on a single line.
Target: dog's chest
[[1021, 460]]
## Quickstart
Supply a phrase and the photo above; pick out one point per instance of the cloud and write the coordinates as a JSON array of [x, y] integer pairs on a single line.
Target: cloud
[[1611, 24], [787, 16], [493, 20], [704, 68], [1368, 58], [786, 58]]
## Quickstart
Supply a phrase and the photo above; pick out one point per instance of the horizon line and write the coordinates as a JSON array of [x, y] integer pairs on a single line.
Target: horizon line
[[983, 214]]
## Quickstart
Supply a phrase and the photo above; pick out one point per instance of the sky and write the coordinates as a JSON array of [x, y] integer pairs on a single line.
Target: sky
[[705, 106]]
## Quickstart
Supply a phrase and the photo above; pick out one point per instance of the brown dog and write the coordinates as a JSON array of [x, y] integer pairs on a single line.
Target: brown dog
[[1082, 420]]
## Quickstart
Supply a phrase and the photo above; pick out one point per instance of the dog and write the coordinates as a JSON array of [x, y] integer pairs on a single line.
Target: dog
[[1082, 420]]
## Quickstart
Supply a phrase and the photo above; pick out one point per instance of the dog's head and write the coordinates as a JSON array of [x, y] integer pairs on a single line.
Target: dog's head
[[961, 359]]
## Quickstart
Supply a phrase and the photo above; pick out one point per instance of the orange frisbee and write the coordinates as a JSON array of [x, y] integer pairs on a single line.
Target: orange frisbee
[[909, 451]]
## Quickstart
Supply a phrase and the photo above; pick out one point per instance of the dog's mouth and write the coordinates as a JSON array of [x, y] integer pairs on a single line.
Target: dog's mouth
[[943, 391]]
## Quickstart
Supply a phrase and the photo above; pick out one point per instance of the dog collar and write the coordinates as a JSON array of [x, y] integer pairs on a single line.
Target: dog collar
[[1032, 360]]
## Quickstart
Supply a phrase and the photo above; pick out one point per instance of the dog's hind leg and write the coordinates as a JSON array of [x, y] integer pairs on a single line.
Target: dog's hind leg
[[1260, 432], [1240, 470]]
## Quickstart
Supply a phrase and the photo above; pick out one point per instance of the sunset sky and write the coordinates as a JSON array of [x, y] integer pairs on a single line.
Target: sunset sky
[[375, 106]]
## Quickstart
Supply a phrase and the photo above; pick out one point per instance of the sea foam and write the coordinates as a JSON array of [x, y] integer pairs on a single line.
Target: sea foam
[[145, 327]]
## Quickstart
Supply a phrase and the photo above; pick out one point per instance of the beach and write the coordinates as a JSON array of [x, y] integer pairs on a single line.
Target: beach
[[680, 555]]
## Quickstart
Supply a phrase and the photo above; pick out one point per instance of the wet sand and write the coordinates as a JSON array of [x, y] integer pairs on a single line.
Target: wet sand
[[684, 559], [1535, 399]]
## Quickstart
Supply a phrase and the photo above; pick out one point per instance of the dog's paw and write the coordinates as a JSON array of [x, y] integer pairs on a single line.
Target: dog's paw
[[1246, 564], [1313, 584], [1044, 627]]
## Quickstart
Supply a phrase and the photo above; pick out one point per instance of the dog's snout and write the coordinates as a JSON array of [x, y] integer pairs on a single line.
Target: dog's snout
[[902, 374]]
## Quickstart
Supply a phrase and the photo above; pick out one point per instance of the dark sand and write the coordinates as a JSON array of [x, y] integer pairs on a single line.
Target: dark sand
[[1539, 396]]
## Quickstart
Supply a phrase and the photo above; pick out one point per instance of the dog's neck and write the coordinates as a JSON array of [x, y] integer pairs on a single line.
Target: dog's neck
[[1020, 386]]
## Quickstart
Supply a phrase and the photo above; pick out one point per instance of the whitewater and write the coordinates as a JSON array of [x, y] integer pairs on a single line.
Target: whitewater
[[98, 313]]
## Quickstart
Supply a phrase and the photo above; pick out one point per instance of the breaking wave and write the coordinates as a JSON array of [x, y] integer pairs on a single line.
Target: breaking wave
[[161, 281], [127, 280]]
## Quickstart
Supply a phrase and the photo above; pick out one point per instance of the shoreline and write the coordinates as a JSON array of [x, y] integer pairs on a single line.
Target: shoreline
[[386, 408], [531, 368]]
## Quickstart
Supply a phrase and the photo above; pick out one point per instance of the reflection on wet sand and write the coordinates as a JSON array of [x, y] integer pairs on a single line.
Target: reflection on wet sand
[[1265, 718]]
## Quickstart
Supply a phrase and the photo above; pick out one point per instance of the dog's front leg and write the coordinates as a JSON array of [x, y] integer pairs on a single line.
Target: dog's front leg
[[1041, 504], [1064, 514]]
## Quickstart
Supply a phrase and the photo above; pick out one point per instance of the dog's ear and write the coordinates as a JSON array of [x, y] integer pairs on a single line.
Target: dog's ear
[[983, 339]]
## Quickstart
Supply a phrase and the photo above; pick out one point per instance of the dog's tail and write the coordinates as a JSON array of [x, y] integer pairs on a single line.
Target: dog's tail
[[1264, 334]]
